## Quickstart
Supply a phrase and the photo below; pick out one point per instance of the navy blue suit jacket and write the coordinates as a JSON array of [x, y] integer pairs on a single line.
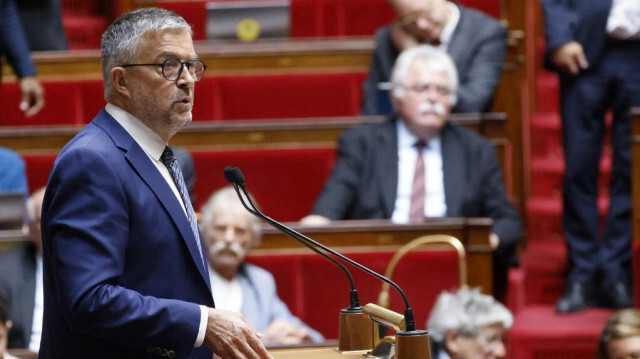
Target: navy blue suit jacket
[[584, 21], [13, 42], [122, 271]]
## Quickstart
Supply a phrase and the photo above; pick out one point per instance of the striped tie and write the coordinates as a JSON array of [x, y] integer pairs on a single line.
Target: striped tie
[[416, 211], [171, 162]]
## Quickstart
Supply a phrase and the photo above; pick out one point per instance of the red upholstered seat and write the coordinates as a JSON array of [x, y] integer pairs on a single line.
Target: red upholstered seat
[[285, 182], [63, 105], [421, 274], [279, 96], [38, 169], [540, 333]]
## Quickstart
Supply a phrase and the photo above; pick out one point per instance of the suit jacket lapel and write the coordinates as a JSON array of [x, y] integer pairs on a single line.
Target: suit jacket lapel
[[387, 171], [453, 164], [149, 173]]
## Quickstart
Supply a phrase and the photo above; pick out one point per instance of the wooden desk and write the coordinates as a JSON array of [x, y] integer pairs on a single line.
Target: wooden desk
[[203, 135], [381, 235], [313, 353]]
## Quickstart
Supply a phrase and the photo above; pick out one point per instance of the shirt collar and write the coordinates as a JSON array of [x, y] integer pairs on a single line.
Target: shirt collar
[[407, 139], [150, 142], [447, 31]]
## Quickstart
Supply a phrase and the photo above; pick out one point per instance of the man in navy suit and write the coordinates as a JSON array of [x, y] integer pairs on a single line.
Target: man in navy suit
[[374, 171], [124, 274], [594, 45], [476, 42]]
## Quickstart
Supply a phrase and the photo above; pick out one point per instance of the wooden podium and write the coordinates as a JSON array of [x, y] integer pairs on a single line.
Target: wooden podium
[[314, 353]]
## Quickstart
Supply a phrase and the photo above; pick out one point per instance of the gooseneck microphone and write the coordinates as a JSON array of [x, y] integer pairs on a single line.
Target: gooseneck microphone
[[236, 178]]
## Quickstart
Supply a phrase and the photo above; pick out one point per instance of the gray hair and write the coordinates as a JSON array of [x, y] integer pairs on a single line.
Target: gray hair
[[434, 59], [121, 40], [464, 312], [227, 199]]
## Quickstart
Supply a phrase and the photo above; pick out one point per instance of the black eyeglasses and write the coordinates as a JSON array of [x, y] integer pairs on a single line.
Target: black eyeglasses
[[172, 68]]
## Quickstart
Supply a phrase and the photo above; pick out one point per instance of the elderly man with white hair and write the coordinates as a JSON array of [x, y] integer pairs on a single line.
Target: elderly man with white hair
[[416, 164], [229, 233], [467, 324]]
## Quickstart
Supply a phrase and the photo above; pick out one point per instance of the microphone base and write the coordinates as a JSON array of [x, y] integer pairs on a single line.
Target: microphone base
[[356, 331], [413, 345]]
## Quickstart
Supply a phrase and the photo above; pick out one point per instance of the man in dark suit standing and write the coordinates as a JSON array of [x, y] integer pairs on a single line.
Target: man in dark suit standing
[[476, 42], [13, 45], [377, 170], [594, 45], [124, 271]]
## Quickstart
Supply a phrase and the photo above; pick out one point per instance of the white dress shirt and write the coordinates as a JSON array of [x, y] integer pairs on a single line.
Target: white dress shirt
[[38, 309], [228, 294], [434, 204], [447, 31], [624, 20]]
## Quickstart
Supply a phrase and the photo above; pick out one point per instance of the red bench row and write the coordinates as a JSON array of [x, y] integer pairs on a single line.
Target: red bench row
[[285, 182], [316, 290], [216, 98], [322, 18]]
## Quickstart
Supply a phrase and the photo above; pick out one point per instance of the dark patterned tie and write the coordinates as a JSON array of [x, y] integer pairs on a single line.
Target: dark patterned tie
[[416, 211], [171, 162]]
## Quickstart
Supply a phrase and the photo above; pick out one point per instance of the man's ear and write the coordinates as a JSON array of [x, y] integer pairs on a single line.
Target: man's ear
[[120, 81], [451, 341], [8, 324]]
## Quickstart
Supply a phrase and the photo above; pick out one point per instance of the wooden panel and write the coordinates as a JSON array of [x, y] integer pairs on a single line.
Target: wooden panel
[[380, 235], [313, 132]]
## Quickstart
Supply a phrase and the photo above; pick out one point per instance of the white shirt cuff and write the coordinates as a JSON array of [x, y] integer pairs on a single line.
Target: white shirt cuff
[[204, 317]]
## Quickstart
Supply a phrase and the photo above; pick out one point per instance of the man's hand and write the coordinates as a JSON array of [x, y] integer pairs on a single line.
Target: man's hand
[[32, 95], [402, 39], [280, 332], [570, 58], [229, 336], [315, 220]]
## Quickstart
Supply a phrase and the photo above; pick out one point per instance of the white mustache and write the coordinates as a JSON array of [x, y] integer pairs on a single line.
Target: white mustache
[[235, 248], [430, 107]]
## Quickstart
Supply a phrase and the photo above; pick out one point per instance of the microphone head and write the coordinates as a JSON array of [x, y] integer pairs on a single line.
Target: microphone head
[[234, 175]]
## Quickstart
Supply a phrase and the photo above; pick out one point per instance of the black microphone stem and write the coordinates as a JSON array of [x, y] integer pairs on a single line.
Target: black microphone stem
[[353, 295], [409, 318]]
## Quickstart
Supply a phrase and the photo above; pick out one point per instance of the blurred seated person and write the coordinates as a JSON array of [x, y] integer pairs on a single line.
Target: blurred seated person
[[476, 42], [467, 324], [13, 177], [42, 24], [620, 337], [416, 164], [21, 282], [5, 328], [229, 232]]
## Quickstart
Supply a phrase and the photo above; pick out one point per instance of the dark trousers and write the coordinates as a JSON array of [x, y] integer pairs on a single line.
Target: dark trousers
[[612, 84]]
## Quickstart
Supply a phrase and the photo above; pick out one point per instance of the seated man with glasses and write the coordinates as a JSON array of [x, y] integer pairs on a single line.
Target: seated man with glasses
[[476, 42], [468, 324], [417, 165]]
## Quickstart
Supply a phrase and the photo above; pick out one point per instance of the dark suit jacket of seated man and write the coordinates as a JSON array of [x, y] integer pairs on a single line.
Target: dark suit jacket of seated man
[[364, 181], [476, 42]]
